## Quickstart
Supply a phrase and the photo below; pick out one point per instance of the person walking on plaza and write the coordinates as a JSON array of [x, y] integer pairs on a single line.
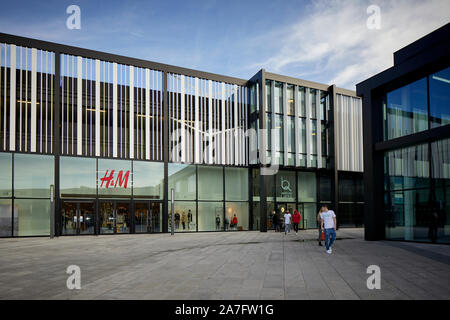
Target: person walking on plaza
[[328, 223], [287, 222], [319, 223], [296, 220], [274, 220]]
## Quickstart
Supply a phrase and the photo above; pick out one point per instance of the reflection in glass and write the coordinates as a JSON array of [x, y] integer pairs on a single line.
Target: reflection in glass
[[148, 179], [440, 98], [182, 178], [78, 176], [306, 187], [5, 175], [5, 218], [405, 110], [31, 217], [236, 184], [210, 183], [33, 175]]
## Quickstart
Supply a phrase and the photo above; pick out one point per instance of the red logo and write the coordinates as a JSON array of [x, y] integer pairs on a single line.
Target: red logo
[[121, 179]]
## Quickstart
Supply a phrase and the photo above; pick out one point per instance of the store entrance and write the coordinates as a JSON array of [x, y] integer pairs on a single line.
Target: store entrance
[[114, 216], [147, 216], [78, 217], [282, 207]]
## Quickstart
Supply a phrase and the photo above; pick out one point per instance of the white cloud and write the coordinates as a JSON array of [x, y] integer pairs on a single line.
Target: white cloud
[[331, 43]]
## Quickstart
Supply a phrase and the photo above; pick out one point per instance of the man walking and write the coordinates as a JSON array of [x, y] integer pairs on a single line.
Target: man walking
[[319, 223], [287, 222], [328, 223]]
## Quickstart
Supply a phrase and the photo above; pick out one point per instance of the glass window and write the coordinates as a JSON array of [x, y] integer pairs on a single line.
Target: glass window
[[313, 136], [270, 187], [257, 217], [290, 100], [237, 211], [290, 134], [31, 217], [302, 101], [407, 168], [148, 179], [5, 175], [279, 133], [255, 187], [286, 186], [278, 108], [268, 96], [405, 110], [302, 136], [78, 176], [313, 97], [306, 187], [33, 175], [440, 154], [269, 131], [324, 189], [346, 189], [440, 98], [182, 178], [236, 184], [5, 218], [114, 177], [323, 105], [210, 183], [210, 216], [309, 215], [185, 216]]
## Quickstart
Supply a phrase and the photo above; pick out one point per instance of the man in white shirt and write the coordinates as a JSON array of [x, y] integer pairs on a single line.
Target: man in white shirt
[[328, 224], [287, 222]]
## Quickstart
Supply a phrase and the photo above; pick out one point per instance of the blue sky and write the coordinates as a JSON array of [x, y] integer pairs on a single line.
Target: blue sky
[[324, 40]]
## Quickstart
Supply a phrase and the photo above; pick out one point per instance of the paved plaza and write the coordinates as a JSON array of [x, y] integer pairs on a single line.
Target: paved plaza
[[234, 265]]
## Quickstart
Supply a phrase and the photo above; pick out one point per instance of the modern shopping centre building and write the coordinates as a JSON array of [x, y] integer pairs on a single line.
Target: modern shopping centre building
[[101, 140]]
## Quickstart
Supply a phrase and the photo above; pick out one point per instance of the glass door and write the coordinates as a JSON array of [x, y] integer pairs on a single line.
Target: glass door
[[77, 217], [114, 217], [147, 217]]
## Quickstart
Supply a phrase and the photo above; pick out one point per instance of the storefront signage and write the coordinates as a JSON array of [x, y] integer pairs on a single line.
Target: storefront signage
[[110, 180], [286, 190]]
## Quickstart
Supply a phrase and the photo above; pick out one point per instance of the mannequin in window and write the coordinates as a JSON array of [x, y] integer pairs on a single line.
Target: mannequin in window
[[217, 222], [183, 220], [177, 220], [189, 218]]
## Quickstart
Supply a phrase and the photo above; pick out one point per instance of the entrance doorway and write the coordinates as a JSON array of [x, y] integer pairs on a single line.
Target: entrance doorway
[[282, 207], [114, 217], [78, 217], [147, 217]]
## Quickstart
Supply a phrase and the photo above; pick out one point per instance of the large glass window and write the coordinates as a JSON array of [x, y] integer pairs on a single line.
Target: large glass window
[[291, 134], [268, 96], [302, 101], [279, 134], [309, 215], [236, 184], [440, 98], [210, 216], [307, 187], [238, 210], [185, 216], [31, 217], [114, 177], [5, 175], [148, 179], [5, 218], [78, 176], [405, 110], [33, 175], [182, 178], [210, 183]]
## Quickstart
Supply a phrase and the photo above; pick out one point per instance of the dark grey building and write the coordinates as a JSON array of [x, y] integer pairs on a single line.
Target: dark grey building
[[406, 117]]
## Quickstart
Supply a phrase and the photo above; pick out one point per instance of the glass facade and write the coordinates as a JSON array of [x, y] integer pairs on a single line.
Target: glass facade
[[417, 204], [78, 177], [148, 180], [440, 98]]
